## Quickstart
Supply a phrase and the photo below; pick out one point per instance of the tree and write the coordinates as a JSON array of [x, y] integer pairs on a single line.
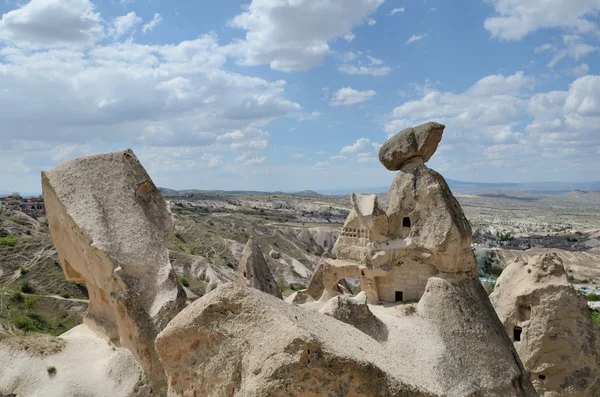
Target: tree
[[16, 196]]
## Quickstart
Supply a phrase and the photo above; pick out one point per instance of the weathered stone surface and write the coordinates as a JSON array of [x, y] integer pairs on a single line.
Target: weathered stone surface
[[109, 225], [315, 286], [306, 238], [421, 141], [325, 240], [437, 222], [354, 310], [275, 254], [254, 272], [238, 342], [559, 342]]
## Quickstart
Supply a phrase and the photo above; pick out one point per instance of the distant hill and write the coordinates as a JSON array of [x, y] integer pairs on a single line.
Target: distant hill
[[462, 187], [195, 193]]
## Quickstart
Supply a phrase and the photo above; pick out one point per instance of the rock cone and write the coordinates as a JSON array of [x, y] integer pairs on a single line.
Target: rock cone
[[254, 272]]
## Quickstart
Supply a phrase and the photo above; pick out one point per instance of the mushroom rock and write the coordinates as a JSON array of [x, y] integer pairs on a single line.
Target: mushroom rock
[[550, 325], [415, 142], [254, 272], [110, 225]]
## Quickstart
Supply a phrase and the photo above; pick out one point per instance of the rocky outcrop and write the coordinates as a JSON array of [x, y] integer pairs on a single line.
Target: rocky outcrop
[[421, 141], [551, 327], [254, 272], [325, 240], [275, 254], [237, 341], [109, 225], [306, 238], [354, 310]]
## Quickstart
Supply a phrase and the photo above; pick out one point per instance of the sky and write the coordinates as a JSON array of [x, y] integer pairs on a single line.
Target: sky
[[300, 94]]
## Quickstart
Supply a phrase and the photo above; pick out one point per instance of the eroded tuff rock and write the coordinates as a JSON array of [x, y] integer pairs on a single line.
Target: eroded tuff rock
[[236, 341], [421, 141], [254, 272], [325, 240], [109, 225], [551, 327], [354, 310]]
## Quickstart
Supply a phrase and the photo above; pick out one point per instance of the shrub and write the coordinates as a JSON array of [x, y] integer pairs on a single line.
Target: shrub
[[25, 288], [30, 302], [595, 316], [9, 241], [17, 297], [593, 297], [51, 370], [184, 281], [65, 295], [25, 323], [23, 270]]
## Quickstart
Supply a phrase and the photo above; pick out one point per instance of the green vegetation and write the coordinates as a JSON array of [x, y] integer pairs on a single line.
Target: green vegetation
[[593, 297], [25, 288], [23, 270], [10, 241], [65, 295], [488, 264], [51, 370], [184, 281]]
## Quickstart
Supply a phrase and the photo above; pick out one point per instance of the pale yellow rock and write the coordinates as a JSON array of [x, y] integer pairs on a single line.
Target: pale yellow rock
[[558, 341], [239, 342], [109, 225], [421, 141]]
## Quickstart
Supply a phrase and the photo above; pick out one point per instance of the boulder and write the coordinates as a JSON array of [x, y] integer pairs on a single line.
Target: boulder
[[550, 325], [110, 225], [354, 310], [421, 141], [254, 272]]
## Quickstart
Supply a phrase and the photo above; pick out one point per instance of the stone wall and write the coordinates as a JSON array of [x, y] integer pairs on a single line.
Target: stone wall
[[410, 278]]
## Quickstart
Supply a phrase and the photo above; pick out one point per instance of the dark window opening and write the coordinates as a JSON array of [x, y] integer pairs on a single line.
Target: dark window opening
[[325, 243], [244, 274], [406, 222], [553, 337], [542, 377], [399, 296], [517, 334]]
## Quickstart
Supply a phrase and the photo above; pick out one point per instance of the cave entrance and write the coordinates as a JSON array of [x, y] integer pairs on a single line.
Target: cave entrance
[[406, 222], [517, 334], [399, 296]]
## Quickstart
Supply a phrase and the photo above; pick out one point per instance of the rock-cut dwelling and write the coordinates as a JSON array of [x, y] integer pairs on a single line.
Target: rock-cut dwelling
[[422, 233]]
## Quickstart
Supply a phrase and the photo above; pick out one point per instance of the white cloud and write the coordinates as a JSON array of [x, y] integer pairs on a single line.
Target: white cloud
[[310, 117], [371, 21], [362, 151], [415, 37], [516, 19], [396, 11], [297, 155], [52, 23], [349, 37], [373, 66], [574, 47], [348, 96], [580, 70], [125, 24], [255, 161], [322, 164], [149, 27], [295, 35]]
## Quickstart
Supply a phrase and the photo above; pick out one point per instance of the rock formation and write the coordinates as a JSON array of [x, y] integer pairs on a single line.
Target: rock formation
[[275, 254], [552, 330], [354, 310], [423, 232], [237, 341], [325, 240], [306, 238], [109, 225], [254, 272]]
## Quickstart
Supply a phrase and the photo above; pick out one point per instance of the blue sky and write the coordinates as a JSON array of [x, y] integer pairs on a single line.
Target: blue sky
[[300, 94]]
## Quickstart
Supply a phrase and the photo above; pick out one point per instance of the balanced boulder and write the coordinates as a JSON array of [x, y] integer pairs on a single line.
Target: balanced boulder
[[421, 141]]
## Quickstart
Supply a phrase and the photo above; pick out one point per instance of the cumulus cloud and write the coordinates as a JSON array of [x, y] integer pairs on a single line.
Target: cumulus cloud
[[348, 96], [516, 19], [362, 151], [52, 23], [295, 35], [149, 27], [371, 66], [125, 24], [297, 155], [415, 37]]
